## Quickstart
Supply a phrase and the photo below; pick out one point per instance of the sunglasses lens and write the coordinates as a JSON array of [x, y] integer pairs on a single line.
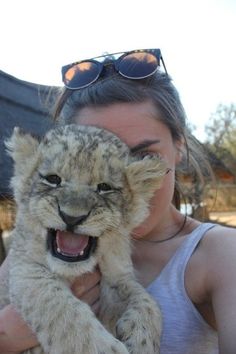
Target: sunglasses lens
[[138, 65], [81, 74]]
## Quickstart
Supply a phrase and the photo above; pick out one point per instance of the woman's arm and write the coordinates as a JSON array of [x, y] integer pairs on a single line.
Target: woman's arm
[[16, 336], [222, 285]]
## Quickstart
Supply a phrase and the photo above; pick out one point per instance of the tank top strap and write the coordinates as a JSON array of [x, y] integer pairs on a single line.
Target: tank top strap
[[185, 251], [184, 329]]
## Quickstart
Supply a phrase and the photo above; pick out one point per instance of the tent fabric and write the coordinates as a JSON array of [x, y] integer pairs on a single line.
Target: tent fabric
[[26, 105]]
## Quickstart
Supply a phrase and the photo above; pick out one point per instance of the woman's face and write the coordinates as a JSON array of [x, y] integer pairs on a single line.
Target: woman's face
[[135, 124]]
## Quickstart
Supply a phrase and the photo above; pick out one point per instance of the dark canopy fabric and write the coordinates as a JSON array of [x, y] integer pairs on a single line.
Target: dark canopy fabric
[[26, 105]]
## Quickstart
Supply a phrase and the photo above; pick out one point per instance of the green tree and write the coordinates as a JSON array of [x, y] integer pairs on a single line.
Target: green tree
[[221, 131]]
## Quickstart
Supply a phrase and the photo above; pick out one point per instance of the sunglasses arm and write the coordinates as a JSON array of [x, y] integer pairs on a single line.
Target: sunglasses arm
[[163, 63]]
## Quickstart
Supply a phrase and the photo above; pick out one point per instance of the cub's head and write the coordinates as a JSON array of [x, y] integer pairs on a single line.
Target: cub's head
[[76, 185]]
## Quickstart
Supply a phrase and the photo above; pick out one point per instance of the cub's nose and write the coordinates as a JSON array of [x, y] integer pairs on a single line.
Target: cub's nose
[[71, 220]]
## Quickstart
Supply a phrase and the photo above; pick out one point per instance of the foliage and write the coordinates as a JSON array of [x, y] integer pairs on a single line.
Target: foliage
[[221, 131]]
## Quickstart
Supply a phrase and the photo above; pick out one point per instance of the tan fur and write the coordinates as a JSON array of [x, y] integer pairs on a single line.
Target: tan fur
[[39, 286]]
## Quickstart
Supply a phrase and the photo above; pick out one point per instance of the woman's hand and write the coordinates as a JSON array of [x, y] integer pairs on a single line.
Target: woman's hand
[[15, 335], [87, 289]]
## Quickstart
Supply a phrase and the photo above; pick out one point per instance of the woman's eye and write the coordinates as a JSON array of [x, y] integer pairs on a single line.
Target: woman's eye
[[52, 179], [103, 187], [143, 154]]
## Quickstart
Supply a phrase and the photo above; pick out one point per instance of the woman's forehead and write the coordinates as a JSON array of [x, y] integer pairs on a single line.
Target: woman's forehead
[[132, 123]]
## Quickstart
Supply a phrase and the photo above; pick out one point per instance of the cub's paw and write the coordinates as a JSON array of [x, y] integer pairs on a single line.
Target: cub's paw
[[35, 350], [110, 346], [140, 333]]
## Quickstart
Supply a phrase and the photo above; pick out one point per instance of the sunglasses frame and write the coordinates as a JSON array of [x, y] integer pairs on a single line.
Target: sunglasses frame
[[110, 60]]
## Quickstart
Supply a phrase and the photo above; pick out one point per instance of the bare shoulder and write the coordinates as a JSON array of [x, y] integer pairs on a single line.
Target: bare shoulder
[[220, 234], [217, 242], [219, 251], [212, 264], [220, 242]]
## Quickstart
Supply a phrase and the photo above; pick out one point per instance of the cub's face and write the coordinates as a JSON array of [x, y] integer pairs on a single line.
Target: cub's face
[[77, 185]]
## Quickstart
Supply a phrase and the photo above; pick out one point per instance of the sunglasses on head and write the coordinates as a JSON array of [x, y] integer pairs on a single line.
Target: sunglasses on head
[[135, 64]]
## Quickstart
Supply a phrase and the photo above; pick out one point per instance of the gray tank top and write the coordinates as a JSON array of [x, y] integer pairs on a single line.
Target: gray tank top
[[184, 330]]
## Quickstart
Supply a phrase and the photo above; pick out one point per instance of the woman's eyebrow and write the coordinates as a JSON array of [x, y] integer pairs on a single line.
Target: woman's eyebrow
[[143, 145]]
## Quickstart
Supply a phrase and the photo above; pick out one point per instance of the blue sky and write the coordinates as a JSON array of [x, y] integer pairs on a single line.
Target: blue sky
[[197, 39]]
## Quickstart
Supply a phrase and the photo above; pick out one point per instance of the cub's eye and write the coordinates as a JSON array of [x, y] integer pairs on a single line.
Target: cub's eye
[[52, 179], [103, 188]]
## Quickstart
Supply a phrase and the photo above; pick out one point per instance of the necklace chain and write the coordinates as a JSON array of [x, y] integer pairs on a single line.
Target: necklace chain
[[168, 238]]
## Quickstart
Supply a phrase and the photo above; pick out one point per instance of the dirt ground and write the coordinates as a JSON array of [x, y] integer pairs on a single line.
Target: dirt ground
[[227, 218]]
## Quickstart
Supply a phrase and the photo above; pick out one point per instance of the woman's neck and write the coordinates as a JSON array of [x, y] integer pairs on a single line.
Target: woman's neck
[[149, 258], [169, 225]]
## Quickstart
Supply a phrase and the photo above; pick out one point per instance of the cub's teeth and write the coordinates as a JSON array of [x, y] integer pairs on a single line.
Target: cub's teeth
[[81, 253]]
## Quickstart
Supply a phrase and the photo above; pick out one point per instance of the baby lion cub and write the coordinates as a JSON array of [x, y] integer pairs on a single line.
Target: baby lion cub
[[79, 193]]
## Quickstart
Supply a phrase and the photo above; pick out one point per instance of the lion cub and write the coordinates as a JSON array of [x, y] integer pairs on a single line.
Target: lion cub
[[79, 193]]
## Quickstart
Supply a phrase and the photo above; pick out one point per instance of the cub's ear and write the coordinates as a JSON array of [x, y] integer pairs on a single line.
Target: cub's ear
[[21, 146], [145, 176]]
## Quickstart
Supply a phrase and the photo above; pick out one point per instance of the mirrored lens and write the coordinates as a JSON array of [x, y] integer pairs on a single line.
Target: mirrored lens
[[81, 74], [138, 65]]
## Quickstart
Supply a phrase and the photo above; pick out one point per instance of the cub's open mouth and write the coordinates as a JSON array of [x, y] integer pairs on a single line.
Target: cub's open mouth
[[70, 247]]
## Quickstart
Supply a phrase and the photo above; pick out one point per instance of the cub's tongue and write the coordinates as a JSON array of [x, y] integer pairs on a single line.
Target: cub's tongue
[[71, 244]]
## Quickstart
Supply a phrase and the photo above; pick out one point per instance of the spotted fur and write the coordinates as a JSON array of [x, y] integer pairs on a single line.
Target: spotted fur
[[39, 286]]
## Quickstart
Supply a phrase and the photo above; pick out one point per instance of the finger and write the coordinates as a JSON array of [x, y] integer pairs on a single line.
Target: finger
[[91, 296], [85, 282], [96, 307]]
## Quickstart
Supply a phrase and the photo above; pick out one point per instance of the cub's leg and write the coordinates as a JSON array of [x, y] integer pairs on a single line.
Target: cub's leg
[[140, 325], [62, 323], [126, 308], [131, 314]]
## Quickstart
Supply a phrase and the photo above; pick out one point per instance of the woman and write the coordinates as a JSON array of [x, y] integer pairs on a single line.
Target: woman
[[187, 266]]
